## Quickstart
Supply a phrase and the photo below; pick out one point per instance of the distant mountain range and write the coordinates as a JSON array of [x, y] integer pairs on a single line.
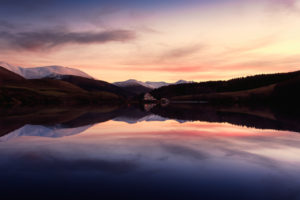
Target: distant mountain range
[[148, 84], [66, 86], [143, 87], [85, 81]]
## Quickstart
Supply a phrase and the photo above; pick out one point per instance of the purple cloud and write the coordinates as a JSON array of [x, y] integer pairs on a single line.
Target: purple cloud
[[45, 40]]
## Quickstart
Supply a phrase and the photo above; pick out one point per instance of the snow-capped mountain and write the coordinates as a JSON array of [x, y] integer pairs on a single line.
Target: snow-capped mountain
[[183, 82], [148, 84], [162, 83], [131, 82], [42, 72], [157, 84]]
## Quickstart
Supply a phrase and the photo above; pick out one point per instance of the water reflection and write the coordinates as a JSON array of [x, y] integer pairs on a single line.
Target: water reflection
[[69, 121], [128, 153], [44, 131]]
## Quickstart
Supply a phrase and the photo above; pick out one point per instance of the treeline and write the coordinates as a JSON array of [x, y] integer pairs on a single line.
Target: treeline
[[233, 85]]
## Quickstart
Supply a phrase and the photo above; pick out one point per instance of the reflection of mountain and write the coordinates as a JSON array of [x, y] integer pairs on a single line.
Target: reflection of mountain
[[133, 120], [261, 117], [57, 122], [65, 122], [55, 118], [44, 131]]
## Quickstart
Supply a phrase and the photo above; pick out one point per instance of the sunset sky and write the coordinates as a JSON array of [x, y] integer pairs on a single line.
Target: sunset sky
[[157, 40]]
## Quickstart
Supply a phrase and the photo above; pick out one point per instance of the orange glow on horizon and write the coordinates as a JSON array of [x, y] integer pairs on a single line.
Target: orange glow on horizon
[[199, 43]]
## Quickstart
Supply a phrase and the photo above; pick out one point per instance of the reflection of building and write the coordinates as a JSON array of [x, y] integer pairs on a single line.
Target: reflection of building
[[148, 107], [164, 102], [149, 97]]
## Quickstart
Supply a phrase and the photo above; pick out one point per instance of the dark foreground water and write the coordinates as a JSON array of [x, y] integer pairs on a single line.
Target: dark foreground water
[[146, 156]]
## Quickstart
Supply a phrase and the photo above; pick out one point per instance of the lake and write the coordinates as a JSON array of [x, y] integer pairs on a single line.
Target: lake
[[137, 154]]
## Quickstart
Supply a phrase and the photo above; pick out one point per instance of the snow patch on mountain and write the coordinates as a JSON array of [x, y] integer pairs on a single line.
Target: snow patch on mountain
[[183, 82], [43, 72], [130, 82], [157, 84]]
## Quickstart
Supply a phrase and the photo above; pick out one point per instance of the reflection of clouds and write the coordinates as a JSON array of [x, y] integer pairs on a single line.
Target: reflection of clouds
[[44, 131], [180, 144], [187, 152], [33, 161], [189, 156], [251, 157], [273, 142]]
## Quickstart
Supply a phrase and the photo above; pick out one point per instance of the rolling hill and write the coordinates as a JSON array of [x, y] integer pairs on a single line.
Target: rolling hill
[[7, 76], [16, 90], [93, 85], [267, 88]]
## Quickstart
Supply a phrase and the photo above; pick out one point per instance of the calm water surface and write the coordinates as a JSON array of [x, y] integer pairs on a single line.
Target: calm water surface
[[150, 158]]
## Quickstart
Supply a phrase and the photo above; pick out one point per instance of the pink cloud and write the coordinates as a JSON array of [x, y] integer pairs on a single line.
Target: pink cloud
[[290, 4], [168, 69], [195, 68]]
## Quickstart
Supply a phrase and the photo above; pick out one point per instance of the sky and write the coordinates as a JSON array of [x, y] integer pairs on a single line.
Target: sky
[[115, 40]]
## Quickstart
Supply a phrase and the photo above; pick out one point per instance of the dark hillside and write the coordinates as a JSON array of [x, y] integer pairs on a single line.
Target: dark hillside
[[233, 85], [137, 89], [287, 93], [93, 85], [15, 90], [7, 76]]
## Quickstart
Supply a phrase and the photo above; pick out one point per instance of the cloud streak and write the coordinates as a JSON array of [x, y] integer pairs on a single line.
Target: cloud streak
[[6, 25], [46, 40], [287, 3], [160, 69], [185, 152], [182, 52]]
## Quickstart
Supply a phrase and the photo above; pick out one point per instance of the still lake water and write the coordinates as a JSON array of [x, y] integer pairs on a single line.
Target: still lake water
[[150, 158]]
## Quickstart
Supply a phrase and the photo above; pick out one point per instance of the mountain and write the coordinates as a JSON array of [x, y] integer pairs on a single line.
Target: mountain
[[139, 87], [156, 84], [131, 82], [16, 90], [42, 72], [134, 86], [182, 82]]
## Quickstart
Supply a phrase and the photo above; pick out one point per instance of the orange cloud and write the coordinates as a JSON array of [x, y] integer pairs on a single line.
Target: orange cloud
[[162, 69]]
